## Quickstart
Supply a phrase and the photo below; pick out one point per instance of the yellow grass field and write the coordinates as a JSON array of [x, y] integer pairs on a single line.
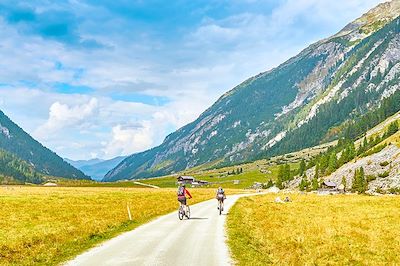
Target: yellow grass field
[[315, 230], [46, 226]]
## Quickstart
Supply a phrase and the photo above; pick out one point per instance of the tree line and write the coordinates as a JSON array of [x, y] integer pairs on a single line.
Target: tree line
[[17, 170]]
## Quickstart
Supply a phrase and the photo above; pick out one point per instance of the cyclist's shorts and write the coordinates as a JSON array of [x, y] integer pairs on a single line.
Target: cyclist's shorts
[[182, 200], [220, 197]]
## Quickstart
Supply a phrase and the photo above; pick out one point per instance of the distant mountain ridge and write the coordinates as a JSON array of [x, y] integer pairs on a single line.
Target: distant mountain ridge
[[81, 163], [301, 103], [96, 168], [26, 151]]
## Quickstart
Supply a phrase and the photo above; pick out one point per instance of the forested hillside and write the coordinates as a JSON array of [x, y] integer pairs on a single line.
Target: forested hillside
[[14, 170], [21, 145]]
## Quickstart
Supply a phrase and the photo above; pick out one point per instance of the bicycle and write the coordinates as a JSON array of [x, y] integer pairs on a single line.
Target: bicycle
[[182, 212], [220, 206]]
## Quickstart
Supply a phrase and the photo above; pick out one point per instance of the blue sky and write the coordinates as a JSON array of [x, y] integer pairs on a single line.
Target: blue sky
[[107, 78]]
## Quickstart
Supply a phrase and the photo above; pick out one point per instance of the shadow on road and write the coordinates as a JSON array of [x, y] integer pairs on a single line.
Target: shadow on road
[[197, 218]]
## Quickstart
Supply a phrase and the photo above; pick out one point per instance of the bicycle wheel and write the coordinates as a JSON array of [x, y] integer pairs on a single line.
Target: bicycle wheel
[[188, 212], [220, 208], [181, 213]]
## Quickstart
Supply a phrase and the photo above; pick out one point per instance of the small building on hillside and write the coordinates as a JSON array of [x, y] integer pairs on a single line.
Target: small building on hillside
[[183, 179], [328, 188], [329, 185], [256, 185], [203, 183]]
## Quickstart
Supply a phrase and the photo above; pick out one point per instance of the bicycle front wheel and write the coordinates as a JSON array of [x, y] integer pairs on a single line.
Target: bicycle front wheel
[[188, 212], [180, 213]]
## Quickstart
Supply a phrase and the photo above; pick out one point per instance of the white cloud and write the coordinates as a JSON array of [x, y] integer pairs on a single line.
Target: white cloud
[[192, 70], [78, 126], [129, 140], [62, 116]]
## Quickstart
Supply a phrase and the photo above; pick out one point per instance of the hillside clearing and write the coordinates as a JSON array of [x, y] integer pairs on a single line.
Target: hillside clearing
[[315, 230], [259, 171], [45, 226]]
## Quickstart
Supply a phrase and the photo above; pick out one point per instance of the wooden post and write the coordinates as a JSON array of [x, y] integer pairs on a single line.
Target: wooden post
[[129, 212]]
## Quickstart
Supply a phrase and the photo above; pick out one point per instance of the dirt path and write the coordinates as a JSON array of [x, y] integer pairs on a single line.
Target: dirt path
[[169, 241]]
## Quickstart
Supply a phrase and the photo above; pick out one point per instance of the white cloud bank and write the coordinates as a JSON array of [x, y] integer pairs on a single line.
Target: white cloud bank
[[192, 71], [62, 116]]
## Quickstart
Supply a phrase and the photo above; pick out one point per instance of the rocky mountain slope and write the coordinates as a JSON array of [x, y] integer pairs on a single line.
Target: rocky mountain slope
[[301, 103], [382, 167], [29, 152], [380, 162]]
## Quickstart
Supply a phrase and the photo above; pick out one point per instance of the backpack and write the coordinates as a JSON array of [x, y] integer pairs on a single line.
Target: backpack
[[181, 191]]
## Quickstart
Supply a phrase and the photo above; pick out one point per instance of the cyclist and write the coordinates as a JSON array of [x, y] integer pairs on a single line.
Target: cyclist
[[220, 197], [182, 192]]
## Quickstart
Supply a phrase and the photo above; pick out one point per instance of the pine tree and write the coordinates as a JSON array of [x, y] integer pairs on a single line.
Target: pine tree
[[332, 166], [355, 184], [302, 167], [314, 182], [360, 184], [365, 142], [287, 175], [323, 163], [281, 176], [393, 128], [344, 157], [303, 183], [363, 181], [352, 151], [344, 183]]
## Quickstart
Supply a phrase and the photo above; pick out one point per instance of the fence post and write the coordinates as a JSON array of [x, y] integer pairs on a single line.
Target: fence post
[[129, 212]]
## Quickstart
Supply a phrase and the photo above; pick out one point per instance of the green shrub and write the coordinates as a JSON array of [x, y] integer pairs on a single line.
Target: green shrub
[[395, 190], [380, 191], [383, 164], [370, 178], [384, 174]]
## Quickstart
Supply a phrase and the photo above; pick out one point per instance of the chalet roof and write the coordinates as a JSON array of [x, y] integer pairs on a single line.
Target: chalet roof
[[330, 184], [185, 177]]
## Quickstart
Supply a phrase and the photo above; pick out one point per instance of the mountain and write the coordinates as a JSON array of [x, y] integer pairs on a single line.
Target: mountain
[[24, 148], [96, 168], [80, 163], [303, 102]]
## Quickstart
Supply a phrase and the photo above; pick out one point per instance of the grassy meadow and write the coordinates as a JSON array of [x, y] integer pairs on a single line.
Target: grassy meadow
[[259, 171], [315, 230], [46, 226]]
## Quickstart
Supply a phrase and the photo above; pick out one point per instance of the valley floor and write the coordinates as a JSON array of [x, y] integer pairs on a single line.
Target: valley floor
[[48, 225], [315, 230]]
